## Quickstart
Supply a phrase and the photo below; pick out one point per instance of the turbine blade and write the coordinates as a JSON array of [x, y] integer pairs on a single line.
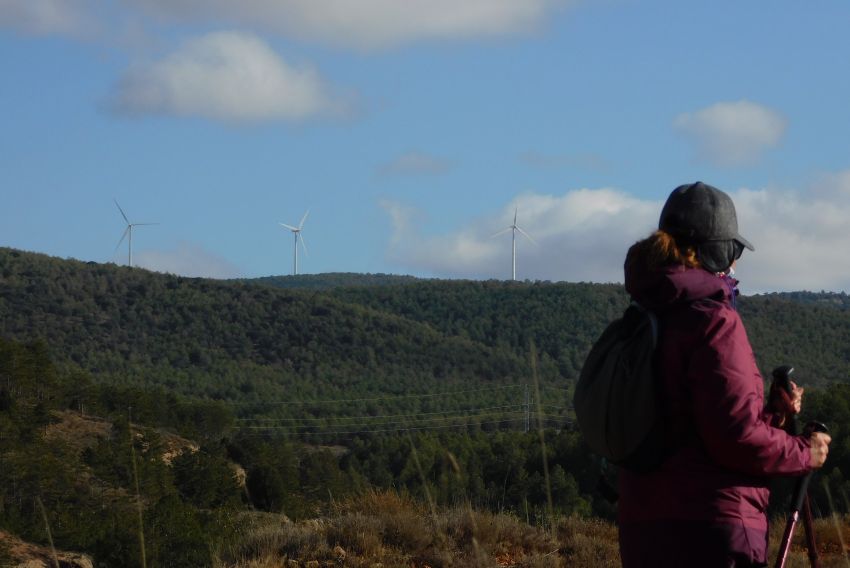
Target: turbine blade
[[290, 227], [304, 218], [121, 210], [137, 224], [123, 236], [303, 244], [515, 212], [502, 232], [527, 236]]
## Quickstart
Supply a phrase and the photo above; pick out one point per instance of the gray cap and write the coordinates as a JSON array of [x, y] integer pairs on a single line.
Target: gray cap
[[699, 213]]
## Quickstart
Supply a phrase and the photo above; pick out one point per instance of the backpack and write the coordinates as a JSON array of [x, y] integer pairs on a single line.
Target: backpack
[[616, 400]]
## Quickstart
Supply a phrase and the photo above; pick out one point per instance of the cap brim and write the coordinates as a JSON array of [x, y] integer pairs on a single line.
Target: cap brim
[[745, 242]]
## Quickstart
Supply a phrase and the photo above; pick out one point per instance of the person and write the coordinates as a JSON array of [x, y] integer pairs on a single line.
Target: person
[[705, 505]]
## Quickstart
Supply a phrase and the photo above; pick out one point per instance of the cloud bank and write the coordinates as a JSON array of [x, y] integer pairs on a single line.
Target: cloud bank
[[732, 133], [227, 76], [800, 237], [579, 236], [46, 17], [360, 24], [364, 24]]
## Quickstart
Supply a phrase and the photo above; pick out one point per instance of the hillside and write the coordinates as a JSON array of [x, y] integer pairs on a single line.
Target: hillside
[[809, 330], [233, 341], [563, 319], [381, 336]]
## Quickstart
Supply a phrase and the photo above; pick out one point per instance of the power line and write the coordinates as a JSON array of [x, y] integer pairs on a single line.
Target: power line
[[555, 388], [377, 416], [391, 397], [337, 435], [402, 422], [411, 429], [399, 422], [400, 425]]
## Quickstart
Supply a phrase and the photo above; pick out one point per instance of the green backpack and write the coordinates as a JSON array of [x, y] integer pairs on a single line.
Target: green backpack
[[616, 399]]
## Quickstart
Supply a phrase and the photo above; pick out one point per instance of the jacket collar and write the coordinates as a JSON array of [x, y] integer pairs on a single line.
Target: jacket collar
[[672, 285]]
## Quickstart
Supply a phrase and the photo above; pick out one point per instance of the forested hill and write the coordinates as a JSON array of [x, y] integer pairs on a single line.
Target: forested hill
[[232, 341], [247, 341], [808, 330]]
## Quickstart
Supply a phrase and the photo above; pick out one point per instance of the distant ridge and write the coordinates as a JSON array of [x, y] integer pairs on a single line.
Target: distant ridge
[[330, 280], [340, 335], [830, 299]]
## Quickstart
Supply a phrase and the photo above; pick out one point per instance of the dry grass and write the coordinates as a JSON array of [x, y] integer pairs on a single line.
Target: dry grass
[[387, 530], [829, 534], [16, 552], [589, 542], [78, 431], [175, 446]]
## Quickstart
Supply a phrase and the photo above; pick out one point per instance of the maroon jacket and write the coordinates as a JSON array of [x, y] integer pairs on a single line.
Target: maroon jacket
[[724, 449]]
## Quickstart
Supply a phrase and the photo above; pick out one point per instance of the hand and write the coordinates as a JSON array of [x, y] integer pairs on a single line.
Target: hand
[[796, 402], [819, 448], [782, 404]]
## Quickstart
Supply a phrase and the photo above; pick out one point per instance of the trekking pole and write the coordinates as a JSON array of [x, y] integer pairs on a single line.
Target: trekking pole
[[800, 499]]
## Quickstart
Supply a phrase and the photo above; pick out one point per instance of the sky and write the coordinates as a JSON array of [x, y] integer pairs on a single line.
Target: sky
[[413, 131]]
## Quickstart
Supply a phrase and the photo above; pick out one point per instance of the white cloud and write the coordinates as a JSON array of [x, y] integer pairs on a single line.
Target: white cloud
[[362, 24], [833, 186], [187, 260], [800, 237], [226, 76], [404, 221], [732, 133], [581, 235], [44, 17], [415, 164], [366, 24]]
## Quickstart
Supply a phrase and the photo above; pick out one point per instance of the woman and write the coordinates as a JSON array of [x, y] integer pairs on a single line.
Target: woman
[[705, 506]]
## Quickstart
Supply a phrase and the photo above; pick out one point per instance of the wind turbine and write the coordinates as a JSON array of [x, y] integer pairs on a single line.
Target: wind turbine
[[514, 228], [128, 232], [296, 231]]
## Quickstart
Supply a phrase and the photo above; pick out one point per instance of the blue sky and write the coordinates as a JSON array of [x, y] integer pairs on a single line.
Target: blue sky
[[412, 130]]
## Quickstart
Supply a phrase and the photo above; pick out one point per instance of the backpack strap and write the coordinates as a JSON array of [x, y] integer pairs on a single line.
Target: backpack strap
[[653, 320]]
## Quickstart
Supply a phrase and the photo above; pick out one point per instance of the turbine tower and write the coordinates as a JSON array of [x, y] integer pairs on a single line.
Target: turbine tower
[[514, 228], [296, 232], [128, 233]]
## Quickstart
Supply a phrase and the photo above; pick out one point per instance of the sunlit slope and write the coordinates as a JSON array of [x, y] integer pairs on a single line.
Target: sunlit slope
[[810, 331]]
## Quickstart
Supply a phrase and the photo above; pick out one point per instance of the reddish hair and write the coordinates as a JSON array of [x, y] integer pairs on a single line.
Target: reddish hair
[[660, 249]]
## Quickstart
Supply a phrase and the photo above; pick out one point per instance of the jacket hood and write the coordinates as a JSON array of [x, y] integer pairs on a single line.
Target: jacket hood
[[671, 285]]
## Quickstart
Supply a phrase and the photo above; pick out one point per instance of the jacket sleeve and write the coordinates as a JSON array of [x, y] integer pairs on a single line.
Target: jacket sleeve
[[728, 402]]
